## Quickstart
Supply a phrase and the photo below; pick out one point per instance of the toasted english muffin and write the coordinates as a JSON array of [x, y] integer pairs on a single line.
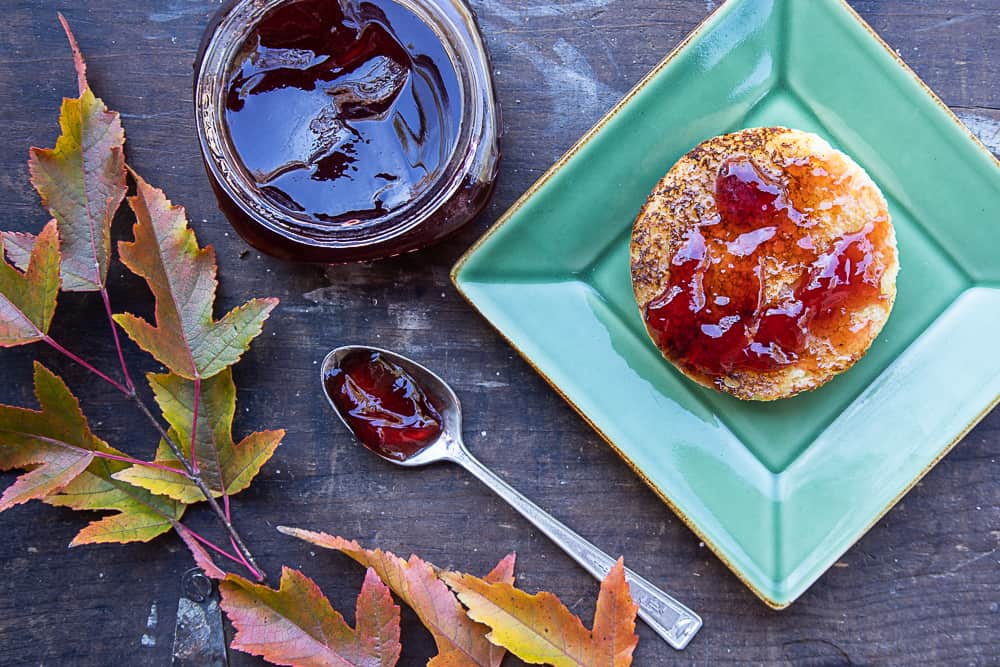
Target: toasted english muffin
[[764, 263]]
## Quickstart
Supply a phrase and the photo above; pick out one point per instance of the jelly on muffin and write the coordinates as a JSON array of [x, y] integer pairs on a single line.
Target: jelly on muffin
[[764, 263]]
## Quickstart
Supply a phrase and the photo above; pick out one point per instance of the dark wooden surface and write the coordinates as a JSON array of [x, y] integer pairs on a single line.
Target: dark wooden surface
[[923, 587]]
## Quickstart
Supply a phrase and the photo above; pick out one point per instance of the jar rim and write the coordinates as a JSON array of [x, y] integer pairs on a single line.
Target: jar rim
[[454, 25]]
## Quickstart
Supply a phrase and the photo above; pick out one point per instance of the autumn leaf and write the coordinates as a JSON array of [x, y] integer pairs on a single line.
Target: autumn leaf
[[297, 625], [460, 641], [81, 182], [54, 443], [65, 467], [28, 300], [18, 247], [223, 465], [182, 277], [139, 515], [540, 629]]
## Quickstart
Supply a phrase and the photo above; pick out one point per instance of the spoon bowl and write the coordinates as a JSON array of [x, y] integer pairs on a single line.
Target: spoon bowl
[[669, 618], [448, 445]]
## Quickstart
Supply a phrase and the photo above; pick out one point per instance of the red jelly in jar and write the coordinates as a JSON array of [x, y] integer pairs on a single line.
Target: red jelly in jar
[[345, 130]]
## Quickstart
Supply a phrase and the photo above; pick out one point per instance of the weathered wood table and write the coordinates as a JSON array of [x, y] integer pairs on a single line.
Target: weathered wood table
[[922, 587]]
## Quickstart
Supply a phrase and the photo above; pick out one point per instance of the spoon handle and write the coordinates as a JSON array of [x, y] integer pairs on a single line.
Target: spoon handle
[[669, 618]]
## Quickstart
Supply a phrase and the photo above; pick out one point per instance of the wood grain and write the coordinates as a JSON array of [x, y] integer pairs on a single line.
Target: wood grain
[[923, 587]]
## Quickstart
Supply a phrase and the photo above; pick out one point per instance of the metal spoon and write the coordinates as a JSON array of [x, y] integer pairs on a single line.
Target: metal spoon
[[669, 618]]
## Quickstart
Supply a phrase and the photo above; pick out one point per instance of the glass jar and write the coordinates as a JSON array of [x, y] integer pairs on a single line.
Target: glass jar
[[383, 125]]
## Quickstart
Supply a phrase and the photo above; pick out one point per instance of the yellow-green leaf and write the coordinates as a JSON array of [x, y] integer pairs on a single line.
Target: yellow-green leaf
[[57, 447], [539, 628], [139, 515], [182, 276], [54, 444], [135, 521], [82, 182], [28, 300], [222, 463]]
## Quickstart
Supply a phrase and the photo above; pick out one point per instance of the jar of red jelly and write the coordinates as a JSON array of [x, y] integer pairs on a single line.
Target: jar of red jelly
[[347, 130]]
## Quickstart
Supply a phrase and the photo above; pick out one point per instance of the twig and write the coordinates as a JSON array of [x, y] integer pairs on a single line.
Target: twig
[[235, 539], [200, 483], [218, 466]]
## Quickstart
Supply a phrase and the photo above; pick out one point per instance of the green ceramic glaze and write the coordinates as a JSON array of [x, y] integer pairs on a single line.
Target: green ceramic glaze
[[778, 490]]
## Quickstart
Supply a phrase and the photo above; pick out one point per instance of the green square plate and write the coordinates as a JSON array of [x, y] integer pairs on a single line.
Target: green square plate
[[778, 490]]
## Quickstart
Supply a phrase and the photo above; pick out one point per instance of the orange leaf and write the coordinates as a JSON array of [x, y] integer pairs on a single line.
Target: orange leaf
[[296, 624], [460, 641], [182, 276], [539, 629], [82, 182], [503, 572], [28, 300]]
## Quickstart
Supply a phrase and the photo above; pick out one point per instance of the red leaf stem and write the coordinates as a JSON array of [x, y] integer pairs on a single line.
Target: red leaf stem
[[194, 436], [118, 344], [214, 547], [138, 462], [114, 383]]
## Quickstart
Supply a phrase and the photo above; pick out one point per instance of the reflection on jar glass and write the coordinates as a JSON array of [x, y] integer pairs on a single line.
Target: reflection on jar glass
[[346, 131]]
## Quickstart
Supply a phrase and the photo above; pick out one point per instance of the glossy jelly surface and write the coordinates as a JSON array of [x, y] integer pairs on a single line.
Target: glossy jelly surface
[[719, 313], [383, 405], [342, 112]]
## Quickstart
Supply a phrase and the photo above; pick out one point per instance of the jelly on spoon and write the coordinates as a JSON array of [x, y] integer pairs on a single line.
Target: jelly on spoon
[[409, 416], [383, 406]]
